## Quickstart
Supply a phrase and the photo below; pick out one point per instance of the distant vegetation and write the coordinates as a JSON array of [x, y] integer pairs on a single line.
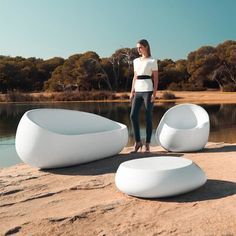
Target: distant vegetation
[[16, 96], [207, 67]]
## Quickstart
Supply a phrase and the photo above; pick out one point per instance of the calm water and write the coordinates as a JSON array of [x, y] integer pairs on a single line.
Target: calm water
[[222, 118]]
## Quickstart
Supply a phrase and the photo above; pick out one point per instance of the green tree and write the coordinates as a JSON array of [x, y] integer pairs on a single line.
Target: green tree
[[121, 62], [208, 64], [82, 71]]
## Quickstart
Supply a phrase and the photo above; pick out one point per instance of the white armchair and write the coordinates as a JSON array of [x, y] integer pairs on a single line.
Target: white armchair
[[184, 128]]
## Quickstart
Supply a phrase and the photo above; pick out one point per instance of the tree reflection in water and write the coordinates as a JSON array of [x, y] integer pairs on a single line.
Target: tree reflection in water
[[222, 116]]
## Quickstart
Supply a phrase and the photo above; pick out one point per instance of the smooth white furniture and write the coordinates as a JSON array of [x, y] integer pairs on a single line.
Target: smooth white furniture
[[50, 138], [157, 177], [184, 128]]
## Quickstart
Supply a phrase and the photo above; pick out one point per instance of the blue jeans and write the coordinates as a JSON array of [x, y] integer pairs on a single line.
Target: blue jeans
[[137, 102]]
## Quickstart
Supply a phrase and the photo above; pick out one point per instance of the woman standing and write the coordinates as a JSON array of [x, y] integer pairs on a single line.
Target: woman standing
[[144, 87]]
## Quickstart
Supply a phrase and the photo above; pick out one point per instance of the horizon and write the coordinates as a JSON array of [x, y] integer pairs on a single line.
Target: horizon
[[173, 28]]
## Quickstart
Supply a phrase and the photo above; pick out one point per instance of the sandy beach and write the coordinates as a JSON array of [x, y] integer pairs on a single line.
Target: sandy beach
[[199, 97], [83, 200], [202, 97]]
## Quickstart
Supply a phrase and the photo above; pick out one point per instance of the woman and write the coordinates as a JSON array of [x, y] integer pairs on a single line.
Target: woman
[[143, 90]]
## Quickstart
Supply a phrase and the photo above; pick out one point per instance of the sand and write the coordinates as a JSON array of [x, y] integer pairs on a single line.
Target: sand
[[83, 200], [199, 97]]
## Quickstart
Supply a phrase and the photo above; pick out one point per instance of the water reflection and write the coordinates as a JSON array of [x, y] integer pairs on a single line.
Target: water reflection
[[222, 118]]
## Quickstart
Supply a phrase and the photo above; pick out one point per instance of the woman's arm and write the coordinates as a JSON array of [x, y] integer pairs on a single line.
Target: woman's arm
[[155, 84], [132, 88]]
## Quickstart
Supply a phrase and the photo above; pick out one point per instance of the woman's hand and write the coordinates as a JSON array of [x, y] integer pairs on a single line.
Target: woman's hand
[[153, 98], [131, 96]]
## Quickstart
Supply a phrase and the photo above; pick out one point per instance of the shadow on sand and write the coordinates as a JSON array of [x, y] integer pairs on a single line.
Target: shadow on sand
[[104, 166], [226, 148], [213, 189], [222, 148]]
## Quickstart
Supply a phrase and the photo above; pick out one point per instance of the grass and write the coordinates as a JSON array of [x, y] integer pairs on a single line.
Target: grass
[[16, 96]]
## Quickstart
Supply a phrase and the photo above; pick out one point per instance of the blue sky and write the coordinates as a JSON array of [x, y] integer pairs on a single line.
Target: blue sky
[[174, 28]]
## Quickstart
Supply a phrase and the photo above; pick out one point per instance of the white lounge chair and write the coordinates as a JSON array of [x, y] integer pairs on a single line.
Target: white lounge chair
[[184, 128], [50, 138], [157, 177]]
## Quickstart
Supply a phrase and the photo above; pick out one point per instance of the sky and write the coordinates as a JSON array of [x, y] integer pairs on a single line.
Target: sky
[[50, 28]]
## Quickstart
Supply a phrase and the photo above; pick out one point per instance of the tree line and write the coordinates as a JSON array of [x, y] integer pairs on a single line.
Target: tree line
[[207, 67]]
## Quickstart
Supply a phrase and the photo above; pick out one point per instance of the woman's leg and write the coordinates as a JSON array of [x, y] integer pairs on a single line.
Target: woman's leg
[[134, 115], [148, 114]]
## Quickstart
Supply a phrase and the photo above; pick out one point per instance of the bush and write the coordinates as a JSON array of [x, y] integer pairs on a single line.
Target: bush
[[168, 96], [82, 96], [186, 87], [101, 95], [229, 88], [124, 96], [175, 87], [192, 87], [16, 96]]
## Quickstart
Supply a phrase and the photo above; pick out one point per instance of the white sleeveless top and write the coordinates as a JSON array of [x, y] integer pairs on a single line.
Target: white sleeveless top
[[144, 67]]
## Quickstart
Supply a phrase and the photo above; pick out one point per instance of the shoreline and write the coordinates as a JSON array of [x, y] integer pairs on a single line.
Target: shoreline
[[83, 199], [210, 97], [200, 97]]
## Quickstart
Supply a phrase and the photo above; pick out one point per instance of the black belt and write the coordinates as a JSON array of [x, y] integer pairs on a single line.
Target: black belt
[[144, 77]]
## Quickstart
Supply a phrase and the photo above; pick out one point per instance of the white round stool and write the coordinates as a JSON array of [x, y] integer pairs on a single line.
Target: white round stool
[[157, 177]]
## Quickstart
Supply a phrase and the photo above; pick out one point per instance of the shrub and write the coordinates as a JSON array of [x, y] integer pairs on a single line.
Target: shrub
[[82, 96], [186, 86], [123, 96], [16, 96], [192, 87], [229, 88], [175, 87], [168, 96]]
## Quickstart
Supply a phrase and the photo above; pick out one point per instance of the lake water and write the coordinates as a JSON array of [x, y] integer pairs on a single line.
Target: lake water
[[222, 118]]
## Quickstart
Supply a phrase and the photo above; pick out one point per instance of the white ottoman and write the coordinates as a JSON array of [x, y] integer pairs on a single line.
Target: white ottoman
[[157, 177]]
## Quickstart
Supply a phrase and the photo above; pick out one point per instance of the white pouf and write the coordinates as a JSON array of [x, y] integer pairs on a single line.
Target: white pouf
[[50, 138], [156, 177]]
